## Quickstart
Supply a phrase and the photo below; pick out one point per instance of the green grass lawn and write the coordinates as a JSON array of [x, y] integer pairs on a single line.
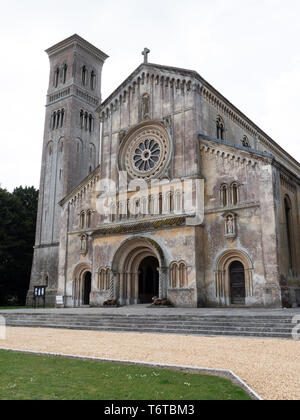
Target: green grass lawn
[[33, 377], [2, 308], [13, 308]]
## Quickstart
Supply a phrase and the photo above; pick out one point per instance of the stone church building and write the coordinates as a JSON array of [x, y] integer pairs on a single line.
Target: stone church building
[[169, 125]]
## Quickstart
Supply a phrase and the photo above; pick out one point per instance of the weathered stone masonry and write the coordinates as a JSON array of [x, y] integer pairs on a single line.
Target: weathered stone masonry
[[166, 123]]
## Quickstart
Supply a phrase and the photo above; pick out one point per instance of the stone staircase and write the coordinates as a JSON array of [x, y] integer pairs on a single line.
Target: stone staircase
[[213, 325]]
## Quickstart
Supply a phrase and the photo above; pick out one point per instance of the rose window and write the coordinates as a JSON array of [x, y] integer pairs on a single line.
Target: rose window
[[146, 152], [147, 155]]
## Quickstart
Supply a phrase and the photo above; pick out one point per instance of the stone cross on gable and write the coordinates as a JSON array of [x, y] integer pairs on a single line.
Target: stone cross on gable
[[145, 54]]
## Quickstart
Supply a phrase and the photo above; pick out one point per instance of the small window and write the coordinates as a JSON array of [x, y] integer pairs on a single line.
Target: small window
[[84, 75], [289, 230], [234, 194], [62, 117], [91, 123], [82, 220], [56, 77], [53, 121], [220, 129], [93, 80], [65, 72], [81, 119], [224, 195], [89, 219]]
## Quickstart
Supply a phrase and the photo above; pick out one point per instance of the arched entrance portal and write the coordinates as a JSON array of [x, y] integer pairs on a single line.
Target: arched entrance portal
[[139, 272], [237, 283], [234, 278], [82, 285], [148, 279], [87, 288]]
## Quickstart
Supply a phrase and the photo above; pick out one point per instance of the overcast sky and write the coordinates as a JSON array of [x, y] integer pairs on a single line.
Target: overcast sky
[[248, 50]]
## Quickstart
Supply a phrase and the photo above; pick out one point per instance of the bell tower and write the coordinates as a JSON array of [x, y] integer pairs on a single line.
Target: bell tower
[[70, 147]]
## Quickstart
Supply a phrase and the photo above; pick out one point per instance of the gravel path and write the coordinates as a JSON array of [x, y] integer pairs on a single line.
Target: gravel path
[[270, 367]]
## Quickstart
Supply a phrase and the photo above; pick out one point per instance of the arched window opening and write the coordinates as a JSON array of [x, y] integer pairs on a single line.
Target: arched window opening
[[56, 77], [86, 118], [93, 80], [82, 220], [289, 224], [182, 275], [53, 120], [89, 219], [178, 275], [220, 129], [81, 119], [91, 123], [62, 117], [65, 72], [58, 114], [234, 194], [174, 275], [84, 75], [224, 195]]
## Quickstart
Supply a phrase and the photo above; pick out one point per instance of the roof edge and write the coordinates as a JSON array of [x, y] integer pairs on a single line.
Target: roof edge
[[73, 40]]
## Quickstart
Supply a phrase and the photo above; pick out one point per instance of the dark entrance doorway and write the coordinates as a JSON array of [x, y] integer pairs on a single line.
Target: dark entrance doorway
[[237, 283], [87, 288], [148, 280]]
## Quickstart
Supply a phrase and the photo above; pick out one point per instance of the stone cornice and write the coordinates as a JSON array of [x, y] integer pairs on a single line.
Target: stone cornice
[[72, 42], [80, 190], [75, 91], [232, 209], [244, 156], [140, 225], [169, 76]]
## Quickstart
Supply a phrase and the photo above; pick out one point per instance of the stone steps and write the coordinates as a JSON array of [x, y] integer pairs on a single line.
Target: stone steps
[[246, 326], [158, 323]]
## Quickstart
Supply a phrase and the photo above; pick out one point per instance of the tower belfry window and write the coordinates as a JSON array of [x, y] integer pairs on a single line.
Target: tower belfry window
[[65, 71], [62, 117], [84, 75], [91, 123], [93, 80], [56, 77]]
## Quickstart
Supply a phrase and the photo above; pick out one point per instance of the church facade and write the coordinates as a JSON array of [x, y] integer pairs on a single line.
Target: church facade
[[164, 190]]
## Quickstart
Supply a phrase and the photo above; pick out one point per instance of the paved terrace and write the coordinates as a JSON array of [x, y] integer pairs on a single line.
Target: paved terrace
[[146, 310]]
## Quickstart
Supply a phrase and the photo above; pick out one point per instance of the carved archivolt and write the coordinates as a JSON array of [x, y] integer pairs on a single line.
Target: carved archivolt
[[222, 274]]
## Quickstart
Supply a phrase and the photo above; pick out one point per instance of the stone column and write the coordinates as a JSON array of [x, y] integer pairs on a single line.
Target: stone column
[[121, 288], [163, 282], [112, 286], [128, 300], [136, 288]]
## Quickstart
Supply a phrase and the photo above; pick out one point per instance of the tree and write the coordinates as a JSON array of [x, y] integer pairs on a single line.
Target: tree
[[17, 233]]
